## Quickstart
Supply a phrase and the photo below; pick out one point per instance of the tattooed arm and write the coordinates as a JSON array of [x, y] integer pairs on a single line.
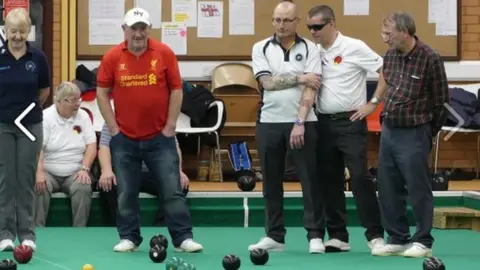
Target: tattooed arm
[[281, 82], [306, 103], [310, 90], [274, 82]]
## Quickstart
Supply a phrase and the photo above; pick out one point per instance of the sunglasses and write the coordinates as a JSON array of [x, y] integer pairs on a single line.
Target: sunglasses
[[316, 27]]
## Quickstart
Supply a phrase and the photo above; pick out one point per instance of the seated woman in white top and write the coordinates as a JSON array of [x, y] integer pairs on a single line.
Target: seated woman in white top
[[69, 149]]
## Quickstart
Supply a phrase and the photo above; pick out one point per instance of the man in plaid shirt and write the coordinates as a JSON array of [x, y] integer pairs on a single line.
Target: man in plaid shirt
[[415, 90]]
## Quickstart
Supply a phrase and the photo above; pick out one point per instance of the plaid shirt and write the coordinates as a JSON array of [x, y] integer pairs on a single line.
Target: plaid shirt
[[417, 88]]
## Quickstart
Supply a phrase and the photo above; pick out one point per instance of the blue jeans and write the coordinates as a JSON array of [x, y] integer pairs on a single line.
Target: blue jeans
[[161, 158]]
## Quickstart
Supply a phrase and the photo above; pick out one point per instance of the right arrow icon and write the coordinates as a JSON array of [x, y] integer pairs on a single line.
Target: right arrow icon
[[460, 122], [19, 124]]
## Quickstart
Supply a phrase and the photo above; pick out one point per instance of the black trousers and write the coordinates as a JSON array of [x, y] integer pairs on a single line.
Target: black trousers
[[404, 173], [272, 143], [109, 202], [343, 142]]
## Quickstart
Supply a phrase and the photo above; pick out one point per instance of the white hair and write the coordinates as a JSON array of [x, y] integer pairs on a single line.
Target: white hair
[[18, 17], [65, 90]]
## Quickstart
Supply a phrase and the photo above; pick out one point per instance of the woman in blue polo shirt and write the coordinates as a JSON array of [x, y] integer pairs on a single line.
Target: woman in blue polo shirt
[[24, 80]]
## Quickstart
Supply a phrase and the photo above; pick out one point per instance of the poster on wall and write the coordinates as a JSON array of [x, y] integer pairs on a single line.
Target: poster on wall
[[12, 4]]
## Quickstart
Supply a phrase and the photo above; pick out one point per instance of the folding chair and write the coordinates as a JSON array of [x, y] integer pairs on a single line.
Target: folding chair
[[184, 126]]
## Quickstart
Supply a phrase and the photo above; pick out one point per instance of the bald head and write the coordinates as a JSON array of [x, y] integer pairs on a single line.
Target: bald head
[[285, 10]]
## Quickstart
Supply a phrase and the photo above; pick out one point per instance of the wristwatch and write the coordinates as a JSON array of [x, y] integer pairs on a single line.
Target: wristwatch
[[375, 100], [84, 168], [299, 122]]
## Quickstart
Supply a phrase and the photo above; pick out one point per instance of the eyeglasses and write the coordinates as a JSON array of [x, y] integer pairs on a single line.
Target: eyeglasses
[[74, 101], [316, 27], [285, 21]]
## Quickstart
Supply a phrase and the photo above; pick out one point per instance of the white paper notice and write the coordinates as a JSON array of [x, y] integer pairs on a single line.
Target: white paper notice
[[105, 19], [106, 9], [175, 36], [210, 19], [185, 11], [241, 14], [435, 8], [154, 8], [356, 7], [105, 32], [446, 25]]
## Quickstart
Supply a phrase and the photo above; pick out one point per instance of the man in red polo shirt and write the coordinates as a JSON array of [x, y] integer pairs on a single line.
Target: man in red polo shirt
[[145, 79]]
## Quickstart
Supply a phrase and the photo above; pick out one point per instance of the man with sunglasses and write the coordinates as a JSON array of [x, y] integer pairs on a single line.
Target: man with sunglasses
[[288, 69], [341, 109]]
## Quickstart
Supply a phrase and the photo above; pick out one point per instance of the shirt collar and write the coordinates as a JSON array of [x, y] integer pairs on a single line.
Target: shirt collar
[[298, 39], [62, 120], [4, 49], [338, 40], [415, 48], [412, 52]]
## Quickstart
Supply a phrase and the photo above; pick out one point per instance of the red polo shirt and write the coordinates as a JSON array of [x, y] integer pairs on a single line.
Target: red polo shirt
[[141, 87]]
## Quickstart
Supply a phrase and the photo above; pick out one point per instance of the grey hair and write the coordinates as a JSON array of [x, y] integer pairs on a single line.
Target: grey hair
[[66, 89], [327, 12], [403, 21], [18, 16]]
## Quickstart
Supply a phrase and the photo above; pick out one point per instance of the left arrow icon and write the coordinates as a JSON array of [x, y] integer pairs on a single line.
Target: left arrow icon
[[20, 126]]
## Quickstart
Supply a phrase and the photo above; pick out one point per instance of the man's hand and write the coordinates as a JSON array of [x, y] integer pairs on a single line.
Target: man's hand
[[83, 177], [184, 181], [107, 180], [311, 80], [363, 112], [296, 137], [169, 131], [41, 182]]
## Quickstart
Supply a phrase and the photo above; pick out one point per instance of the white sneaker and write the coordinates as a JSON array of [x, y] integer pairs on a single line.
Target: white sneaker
[[125, 246], [335, 245], [7, 245], [376, 243], [188, 245], [390, 250], [417, 250], [30, 244], [268, 244], [316, 246]]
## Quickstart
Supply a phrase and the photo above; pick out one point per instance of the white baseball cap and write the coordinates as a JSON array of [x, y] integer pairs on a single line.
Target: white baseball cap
[[136, 15]]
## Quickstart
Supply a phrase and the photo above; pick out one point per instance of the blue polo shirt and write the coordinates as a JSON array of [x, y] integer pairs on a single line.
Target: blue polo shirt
[[20, 84]]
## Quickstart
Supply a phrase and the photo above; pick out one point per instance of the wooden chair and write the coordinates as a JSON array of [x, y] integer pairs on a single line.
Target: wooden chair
[[235, 84]]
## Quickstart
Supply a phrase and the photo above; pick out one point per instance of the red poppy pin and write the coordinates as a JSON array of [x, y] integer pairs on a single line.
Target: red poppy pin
[[337, 60], [77, 129]]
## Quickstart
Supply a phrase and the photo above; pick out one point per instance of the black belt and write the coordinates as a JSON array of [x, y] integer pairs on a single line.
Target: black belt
[[337, 116]]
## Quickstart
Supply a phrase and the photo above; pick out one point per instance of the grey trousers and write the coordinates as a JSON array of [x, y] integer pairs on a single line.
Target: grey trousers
[[404, 174], [272, 143], [18, 165], [80, 197]]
